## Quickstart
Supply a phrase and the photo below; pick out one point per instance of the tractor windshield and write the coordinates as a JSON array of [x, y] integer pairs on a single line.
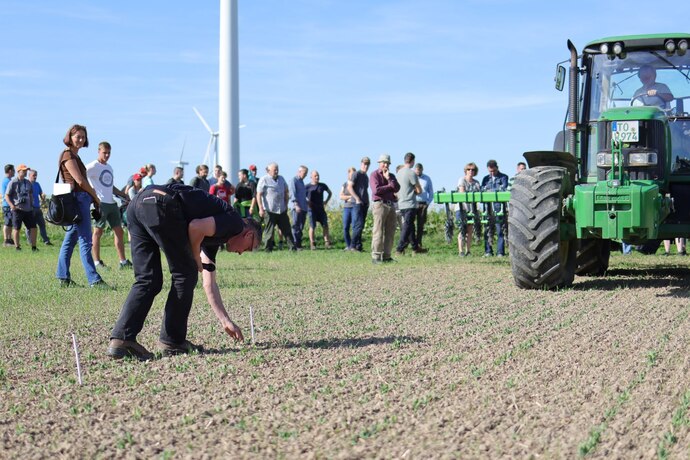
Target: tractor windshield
[[618, 82]]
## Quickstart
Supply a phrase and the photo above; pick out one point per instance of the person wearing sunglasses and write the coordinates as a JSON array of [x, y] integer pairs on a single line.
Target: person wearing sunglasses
[[467, 212]]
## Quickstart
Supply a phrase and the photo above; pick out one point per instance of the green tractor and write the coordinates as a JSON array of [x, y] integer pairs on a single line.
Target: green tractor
[[620, 169]]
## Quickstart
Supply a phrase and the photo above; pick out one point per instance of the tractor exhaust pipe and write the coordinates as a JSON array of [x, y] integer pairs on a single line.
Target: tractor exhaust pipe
[[571, 125]]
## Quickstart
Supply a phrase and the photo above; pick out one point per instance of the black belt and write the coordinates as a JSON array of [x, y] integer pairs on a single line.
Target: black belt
[[388, 202]]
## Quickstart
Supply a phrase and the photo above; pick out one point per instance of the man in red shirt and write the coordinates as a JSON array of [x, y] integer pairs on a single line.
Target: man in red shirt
[[384, 186]]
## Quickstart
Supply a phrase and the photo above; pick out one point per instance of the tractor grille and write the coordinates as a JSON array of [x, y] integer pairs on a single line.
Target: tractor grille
[[652, 137]]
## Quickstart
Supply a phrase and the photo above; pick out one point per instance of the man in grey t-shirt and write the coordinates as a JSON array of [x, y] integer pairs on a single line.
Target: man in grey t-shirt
[[407, 204], [272, 195]]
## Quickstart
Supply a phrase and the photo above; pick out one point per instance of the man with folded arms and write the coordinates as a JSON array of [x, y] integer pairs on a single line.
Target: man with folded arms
[[384, 186]]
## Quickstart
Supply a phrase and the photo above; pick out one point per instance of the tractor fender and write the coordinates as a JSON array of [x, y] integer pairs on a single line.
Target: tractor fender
[[553, 158]]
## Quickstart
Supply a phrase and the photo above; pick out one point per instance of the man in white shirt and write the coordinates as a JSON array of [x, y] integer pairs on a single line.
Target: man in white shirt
[[100, 176]]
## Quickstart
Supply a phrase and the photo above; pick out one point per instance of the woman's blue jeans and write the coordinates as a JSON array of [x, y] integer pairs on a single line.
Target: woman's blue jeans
[[347, 224], [78, 233]]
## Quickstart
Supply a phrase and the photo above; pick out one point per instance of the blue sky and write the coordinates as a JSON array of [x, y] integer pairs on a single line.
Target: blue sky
[[322, 83]]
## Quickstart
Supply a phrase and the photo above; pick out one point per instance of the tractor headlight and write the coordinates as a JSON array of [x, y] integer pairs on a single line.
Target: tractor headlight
[[604, 159], [617, 48], [604, 48], [642, 159]]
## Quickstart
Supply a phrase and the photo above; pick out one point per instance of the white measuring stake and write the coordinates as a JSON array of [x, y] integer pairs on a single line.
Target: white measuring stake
[[251, 321], [76, 357]]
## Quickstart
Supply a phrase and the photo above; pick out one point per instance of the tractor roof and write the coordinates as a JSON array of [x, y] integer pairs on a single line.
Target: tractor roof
[[654, 41]]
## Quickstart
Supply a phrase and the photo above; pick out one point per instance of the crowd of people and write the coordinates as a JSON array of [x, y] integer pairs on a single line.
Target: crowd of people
[[191, 223]]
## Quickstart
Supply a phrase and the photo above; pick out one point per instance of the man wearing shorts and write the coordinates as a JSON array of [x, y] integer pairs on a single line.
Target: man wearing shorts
[[19, 198], [317, 208], [100, 176], [6, 210]]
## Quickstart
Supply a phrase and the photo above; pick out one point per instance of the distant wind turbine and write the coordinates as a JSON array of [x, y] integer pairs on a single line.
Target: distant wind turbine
[[179, 162], [212, 147]]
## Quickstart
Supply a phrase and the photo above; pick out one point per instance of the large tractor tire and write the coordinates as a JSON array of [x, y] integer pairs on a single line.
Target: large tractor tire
[[538, 257], [593, 257]]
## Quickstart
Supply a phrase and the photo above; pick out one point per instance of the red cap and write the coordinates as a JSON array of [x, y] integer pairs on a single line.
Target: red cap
[[136, 176], [252, 167], [143, 170]]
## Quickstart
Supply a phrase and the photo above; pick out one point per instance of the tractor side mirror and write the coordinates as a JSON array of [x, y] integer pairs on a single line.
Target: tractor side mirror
[[560, 77]]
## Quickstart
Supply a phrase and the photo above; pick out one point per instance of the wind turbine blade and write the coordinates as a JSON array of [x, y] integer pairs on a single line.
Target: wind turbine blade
[[182, 153], [208, 128]]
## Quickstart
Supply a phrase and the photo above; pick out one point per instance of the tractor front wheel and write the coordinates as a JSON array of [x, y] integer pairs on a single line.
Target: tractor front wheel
[[539, 258]]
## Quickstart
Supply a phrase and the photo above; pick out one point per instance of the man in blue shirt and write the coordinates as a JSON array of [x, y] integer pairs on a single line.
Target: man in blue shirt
[[298, 204], [424, 199], [495, 181], [6, 211], [38, 198]]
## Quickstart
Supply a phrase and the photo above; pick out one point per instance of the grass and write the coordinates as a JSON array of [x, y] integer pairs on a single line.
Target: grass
[[367, 357]]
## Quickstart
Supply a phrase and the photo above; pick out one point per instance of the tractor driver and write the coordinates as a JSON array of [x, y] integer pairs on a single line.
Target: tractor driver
[[651, 92]]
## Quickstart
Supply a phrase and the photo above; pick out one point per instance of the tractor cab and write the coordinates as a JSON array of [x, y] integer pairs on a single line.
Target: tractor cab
[[637, 91]]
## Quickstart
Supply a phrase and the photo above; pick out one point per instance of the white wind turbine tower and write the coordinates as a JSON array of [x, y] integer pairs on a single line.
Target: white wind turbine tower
[[211, 156]]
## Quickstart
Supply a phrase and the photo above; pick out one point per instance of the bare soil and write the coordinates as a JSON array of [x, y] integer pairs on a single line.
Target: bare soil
[[430, 357]]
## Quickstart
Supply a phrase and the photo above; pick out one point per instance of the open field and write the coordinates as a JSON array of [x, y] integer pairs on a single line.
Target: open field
[[433, 356]]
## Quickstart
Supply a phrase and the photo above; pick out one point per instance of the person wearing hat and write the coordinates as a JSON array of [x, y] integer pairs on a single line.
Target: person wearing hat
[[495, 181], [252, 175], [358, 188], [384, 186], [189, 225], [19, 197]]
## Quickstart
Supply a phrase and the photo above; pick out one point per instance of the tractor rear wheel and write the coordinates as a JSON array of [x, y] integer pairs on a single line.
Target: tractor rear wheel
[[593, 257], [538, 257]]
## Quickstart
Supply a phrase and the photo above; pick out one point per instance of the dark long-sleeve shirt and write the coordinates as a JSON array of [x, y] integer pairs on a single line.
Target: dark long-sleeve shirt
[[382, 189]]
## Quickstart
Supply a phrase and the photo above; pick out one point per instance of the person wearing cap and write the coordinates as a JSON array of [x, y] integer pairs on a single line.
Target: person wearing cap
[[101, 177], [358, 188], [495, 181], [252, 174], [6, 211], [199, 181], [19, 197], [384, 186], [136, 186], [189, 225]]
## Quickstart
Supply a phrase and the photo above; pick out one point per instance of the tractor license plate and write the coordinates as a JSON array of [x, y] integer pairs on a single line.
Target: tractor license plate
[[626, 131]]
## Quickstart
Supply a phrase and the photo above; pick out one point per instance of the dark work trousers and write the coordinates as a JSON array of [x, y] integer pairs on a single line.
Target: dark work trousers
[[407, 231], [298, 220], [282, 221], [422, 209], [359, 217], [156, 222]]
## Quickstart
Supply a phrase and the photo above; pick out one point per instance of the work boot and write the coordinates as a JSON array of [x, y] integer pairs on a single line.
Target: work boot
[[186, 347], [118, 349]]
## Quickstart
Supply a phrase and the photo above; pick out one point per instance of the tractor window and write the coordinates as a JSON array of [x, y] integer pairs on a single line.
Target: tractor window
[[615, 81], [680, 139]]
